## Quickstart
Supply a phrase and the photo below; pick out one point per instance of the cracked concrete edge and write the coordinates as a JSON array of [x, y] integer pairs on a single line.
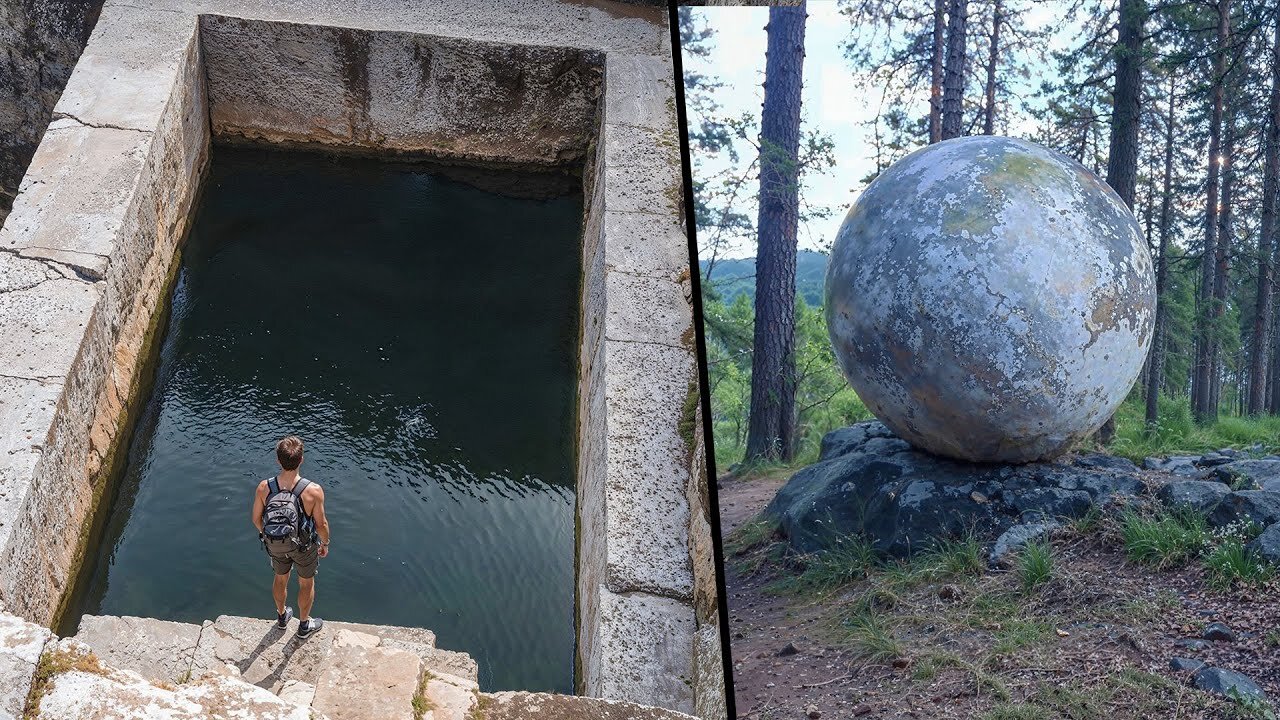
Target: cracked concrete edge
[[100, 377]]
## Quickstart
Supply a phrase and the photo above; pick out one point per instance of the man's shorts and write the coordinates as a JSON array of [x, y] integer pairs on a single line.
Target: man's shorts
[[306, 559]]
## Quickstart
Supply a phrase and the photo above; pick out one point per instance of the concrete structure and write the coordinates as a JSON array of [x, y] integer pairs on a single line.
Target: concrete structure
[[241, 667], [88, 253], [990, 300]]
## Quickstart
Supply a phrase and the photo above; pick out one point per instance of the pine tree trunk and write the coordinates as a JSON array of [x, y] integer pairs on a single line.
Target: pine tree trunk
[[1207, 340], [997, 17], [953, 81], [1122, 155], [1154, 378], [1222, 256], [1261, 344], [936, 70], [771, 424]]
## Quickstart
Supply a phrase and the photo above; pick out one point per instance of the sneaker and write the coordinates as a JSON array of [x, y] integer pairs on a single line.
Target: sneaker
[[282, 620], [309, 627]]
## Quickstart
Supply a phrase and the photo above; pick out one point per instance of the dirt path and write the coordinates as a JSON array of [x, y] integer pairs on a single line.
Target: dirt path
[[771, 681]]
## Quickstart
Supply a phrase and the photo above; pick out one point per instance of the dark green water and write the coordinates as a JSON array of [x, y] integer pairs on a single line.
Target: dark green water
[[420, 335]]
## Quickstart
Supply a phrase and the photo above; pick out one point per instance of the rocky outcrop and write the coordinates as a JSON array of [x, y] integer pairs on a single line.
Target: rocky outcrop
[[43, 40], [242, 667], [869, 482]]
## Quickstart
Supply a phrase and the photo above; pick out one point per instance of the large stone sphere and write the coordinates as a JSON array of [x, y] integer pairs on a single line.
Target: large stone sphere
[[990, 299]]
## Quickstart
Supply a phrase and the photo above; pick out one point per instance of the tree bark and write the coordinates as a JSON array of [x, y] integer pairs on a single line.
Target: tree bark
[[771, 425], [1222, 255], [1154, 376], [953, 82], [936, 70], [1122, 154], [1261, 345], [993, 59], [1207, 339]]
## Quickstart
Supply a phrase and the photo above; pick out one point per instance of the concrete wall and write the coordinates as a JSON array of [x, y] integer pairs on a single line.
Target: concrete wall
[[543, 83], [41, 41], [100, 213]]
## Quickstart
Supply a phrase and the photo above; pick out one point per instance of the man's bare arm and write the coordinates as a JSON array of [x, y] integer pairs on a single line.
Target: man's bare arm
[[322, 522], [259, 500]]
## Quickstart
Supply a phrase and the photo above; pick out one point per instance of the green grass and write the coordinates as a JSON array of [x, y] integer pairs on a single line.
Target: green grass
[[1165, 539], [829, 570], [751, 535], [870, 635], [1177, 434], [1230, 563], [1035, 565]]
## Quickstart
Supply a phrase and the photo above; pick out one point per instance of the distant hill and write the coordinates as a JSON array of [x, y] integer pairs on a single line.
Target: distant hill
[[732, 278]]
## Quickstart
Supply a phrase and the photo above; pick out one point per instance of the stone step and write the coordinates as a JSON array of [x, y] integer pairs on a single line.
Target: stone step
[[363, 681], [449, 697], [158, 650], [21, 643]]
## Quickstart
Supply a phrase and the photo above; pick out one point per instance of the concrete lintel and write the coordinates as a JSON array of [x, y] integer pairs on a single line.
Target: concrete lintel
[[639, 91], [646, 539], [643, 643], [641, 243], [642, 171]]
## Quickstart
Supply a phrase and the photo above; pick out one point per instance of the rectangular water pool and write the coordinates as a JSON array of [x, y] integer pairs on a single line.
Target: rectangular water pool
[[420, 335]]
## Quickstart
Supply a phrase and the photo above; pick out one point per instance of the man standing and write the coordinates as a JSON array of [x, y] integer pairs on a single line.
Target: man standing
[[288, 511]]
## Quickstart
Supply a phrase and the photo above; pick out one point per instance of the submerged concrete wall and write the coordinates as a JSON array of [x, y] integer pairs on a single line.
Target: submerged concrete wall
[[543, 83]]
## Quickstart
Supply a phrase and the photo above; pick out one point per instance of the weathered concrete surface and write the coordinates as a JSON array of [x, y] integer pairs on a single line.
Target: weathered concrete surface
[[21, 643], [396, 92], [109, 200], [42, 41], [990, 300], [450, 697], [543, 706], [367, 682], [158, 650]]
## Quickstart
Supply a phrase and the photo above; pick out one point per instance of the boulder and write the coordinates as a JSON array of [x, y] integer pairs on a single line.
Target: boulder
[[1201, 496], [1227, 683], [1213, 459], [904, 499], [1261, 474], [1185, 664], [1267, 545], [1260, 506]]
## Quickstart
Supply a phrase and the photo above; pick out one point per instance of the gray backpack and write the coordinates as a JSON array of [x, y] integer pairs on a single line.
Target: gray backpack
[[282, 516]]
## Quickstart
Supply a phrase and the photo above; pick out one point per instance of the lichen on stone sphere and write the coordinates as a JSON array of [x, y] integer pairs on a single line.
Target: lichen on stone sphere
[[990, 299]]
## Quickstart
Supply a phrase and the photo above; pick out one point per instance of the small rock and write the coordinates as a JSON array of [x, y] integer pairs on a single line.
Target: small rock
[[813, 712], [1185, 664], [1213, 459], [788, 649], [861, 709], [1218, 632], [977, 497], [1191, 643], [1260, 506], [1017, 537], [949, 592], [1224, 682]]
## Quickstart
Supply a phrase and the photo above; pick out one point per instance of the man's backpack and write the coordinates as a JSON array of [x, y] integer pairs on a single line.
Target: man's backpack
[[282, 516]]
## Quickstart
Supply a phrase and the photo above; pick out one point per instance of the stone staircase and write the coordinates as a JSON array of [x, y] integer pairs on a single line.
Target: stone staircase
[[126, 667]]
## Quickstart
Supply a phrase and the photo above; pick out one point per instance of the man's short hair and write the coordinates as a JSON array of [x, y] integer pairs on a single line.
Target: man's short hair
[[289, 452]]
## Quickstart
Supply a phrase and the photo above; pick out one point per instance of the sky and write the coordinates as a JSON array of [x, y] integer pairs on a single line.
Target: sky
[[835, 100]]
